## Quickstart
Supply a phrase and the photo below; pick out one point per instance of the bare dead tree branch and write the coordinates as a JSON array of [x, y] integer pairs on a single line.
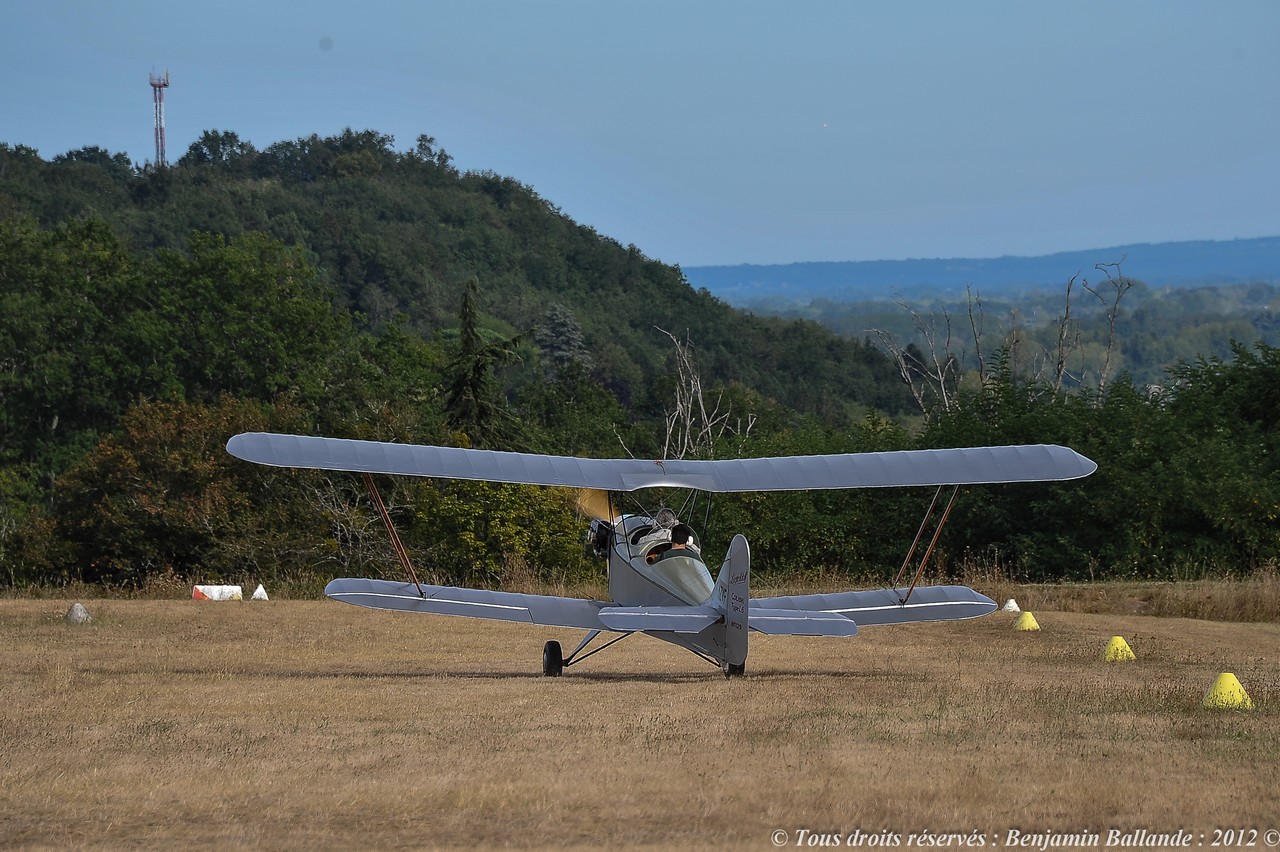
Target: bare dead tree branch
[[1111, 303], [976, 323], [929, 376], [933, 372], [909, 367], [360, 541], [625, 448], [692, 425], [1068, 339]]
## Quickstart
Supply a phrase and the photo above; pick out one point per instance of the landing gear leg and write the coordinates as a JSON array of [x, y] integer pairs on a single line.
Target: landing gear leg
[[552, 660], [734, 669]]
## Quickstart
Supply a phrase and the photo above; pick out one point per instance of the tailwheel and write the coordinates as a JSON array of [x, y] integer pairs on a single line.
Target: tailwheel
[[734, 669], [552, 660]]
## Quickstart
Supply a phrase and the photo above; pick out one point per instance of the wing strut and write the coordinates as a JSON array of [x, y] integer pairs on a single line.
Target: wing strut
[[942, 522], [401, 553]]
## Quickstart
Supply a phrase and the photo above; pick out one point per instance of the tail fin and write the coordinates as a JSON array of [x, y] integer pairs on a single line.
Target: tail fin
[[732, 596]]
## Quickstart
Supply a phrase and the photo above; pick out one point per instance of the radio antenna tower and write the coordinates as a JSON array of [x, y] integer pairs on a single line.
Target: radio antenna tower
[[158, 85]]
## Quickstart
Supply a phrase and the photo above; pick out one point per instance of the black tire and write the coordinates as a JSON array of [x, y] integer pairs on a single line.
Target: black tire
[[552, 660], [734, 669]]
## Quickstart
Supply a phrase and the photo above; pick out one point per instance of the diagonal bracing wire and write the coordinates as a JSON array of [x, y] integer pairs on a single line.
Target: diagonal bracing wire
[[401, 553], [933, 542]]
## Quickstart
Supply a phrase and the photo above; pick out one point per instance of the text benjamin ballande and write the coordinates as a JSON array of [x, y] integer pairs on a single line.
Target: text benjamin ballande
[[1013, 838]]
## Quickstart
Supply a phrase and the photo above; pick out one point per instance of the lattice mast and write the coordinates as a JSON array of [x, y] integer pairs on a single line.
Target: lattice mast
[[158, 85]]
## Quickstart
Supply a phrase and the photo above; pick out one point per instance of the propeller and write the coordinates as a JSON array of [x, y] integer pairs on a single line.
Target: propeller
[[596, 504]]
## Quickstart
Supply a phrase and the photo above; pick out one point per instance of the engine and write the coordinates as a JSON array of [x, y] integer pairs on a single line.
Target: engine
[[598, 536]]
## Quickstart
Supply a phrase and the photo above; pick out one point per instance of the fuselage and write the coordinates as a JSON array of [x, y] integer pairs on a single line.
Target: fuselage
[[641, 574]]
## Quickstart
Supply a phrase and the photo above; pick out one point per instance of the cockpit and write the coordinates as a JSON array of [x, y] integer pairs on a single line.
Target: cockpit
[[645, 545]]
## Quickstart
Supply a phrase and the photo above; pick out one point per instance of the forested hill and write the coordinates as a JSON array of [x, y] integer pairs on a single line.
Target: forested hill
[[398, 234], [1162, 264]]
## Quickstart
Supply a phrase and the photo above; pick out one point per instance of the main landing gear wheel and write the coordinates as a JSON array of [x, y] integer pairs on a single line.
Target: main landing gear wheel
[[552, 660], [734, 669]]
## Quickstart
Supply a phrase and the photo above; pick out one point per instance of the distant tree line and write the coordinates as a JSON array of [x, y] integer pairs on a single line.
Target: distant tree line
[[1155, 328]]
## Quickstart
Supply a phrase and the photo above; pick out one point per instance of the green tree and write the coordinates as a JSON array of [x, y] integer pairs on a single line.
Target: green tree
[[163, 495], [573, 414], [473, 404], [485, 533], [118, 166], [250, 318], [80, 337], [1229, 451], [224, 151], [560, 341]]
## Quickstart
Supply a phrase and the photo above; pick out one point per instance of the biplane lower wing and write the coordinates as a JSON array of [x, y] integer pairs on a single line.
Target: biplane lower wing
[[577, 612], [887, 606], [472, 603]]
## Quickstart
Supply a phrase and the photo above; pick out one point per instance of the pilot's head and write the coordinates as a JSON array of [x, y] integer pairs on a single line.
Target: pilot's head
[[680, 535]]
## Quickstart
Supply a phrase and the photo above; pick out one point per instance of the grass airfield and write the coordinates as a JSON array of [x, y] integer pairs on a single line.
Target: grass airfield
[[292, 724]]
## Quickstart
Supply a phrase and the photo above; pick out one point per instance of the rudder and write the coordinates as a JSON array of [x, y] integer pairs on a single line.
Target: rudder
[[732, 596]]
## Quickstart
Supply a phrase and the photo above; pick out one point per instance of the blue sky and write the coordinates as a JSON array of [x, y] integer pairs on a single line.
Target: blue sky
[[721, 132]]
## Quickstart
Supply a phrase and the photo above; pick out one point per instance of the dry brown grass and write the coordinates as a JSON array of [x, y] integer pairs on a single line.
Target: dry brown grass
[[1251, 597], [291, 724]]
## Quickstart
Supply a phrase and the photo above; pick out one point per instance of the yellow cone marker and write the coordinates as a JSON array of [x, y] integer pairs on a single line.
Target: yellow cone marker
[[1227, 694], [1118, 650], [1026, 621]]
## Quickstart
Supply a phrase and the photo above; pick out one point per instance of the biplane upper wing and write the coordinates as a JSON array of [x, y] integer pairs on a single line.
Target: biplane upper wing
[[473, 603], [961, 466]]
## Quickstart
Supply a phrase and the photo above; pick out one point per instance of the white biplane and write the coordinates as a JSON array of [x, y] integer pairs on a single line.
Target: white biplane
[[657, 587]]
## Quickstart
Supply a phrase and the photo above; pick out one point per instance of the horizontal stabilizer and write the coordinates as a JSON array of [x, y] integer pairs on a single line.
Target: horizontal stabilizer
[[799, 622], [677, 619], [885, 606], [473, 603]]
